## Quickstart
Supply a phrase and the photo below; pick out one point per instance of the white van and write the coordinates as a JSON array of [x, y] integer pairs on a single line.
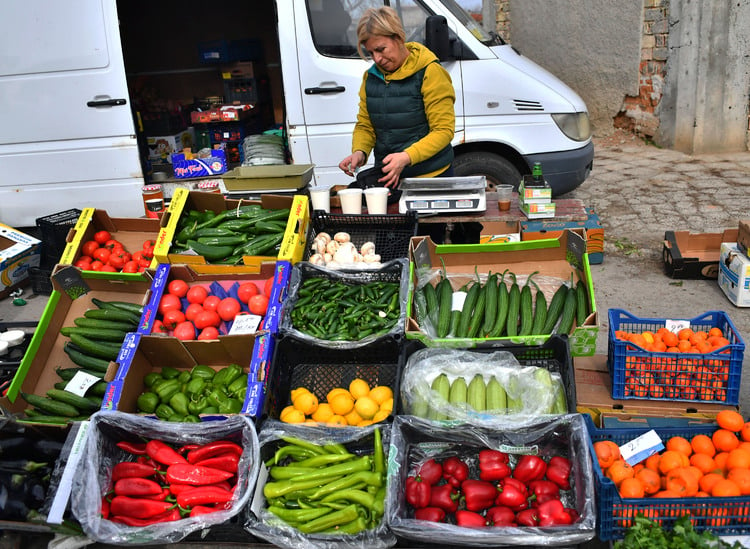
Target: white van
[[68, 137]]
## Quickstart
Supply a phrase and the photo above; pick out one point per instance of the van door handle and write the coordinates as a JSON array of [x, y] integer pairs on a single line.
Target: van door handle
[[316, 91], [106, 103]]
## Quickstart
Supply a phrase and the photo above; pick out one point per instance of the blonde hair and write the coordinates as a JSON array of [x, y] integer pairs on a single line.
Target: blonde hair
[[382, 21]]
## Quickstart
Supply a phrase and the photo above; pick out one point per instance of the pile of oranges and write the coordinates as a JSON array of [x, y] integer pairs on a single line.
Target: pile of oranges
[[679, 377], [358, 405], [703, 466]]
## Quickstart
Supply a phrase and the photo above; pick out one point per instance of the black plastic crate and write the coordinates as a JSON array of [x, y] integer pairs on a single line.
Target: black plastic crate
[[54, 230], [241, 91], [297, 363], [390, 233], [10, 362], [41, 280]]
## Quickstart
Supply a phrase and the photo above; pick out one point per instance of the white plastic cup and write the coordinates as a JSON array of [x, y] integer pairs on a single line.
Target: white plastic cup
[[377, 200], [321, 198], [351, 201]]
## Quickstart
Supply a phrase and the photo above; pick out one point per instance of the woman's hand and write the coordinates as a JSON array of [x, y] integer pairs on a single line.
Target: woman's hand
[[352, 162], [393, 165]]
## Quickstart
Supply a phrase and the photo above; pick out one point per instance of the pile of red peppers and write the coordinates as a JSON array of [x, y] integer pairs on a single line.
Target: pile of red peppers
[[162, 483], [486, 490]]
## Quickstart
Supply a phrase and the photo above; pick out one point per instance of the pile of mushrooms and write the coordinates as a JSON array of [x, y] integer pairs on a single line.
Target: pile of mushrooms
[[340, 252]]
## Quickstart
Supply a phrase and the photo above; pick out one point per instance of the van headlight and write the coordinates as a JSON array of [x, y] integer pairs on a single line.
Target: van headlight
[[575, 126]]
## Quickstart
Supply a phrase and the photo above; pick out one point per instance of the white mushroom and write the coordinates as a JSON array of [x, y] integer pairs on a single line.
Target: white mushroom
[[327, 257], [371, 258], [324, 236], [345, 254], [367, 248], [341, 237], [332, 246], [356, 256], [317, 259], [319, 245]]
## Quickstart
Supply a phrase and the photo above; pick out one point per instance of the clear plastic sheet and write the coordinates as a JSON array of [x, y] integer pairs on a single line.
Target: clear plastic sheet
[[414, 440], [100, 454], [358, 440]]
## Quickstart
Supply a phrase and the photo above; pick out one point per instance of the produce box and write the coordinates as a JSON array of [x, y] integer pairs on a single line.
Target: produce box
[[73, 295], [186, 166], [710, 376], [298, 363], [273, 177], [743, 236], [414, 441], [19, 252], [734, 274], [161, 147], [101, 453], [594, 397], [530, 193], [130, 232], [513, 366], [498, 232], [689, 255], [292, 245], [553, 260], [535, 230], [723, 516]]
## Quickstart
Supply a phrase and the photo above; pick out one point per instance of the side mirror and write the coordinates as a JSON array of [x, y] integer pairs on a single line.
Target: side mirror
[[436, 37]]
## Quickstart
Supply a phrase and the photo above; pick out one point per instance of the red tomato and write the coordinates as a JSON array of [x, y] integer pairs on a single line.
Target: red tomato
[[84, 263], [144, 263], [246, 291], [158, 327], [258, 304], [137, 256], [102, 254], [102, 236], [178, 287], [193, 310], [113, 244], [184, 331], [206, 319], [228, 308], [148, 244], [211, 303], [107, 268], [172, 318], [197, 294], [169, 302], [118, 259], [208, 333], [267, 286], [89, 247], [96, 265], [130, 267]]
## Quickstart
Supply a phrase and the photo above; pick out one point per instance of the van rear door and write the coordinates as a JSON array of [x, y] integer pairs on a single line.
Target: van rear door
[[67, 137]]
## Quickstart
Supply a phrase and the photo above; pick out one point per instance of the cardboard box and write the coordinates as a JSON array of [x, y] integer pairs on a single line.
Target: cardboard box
[[280, 177], [689, 255], [553, 259], [131, 232], [185, 167], [530, 193], [19, 252], [161, 147], [535, 230], [241, 69], [536, 210], [498, 232], [743, 236], [292, 246], [594, 395], [734, 274]]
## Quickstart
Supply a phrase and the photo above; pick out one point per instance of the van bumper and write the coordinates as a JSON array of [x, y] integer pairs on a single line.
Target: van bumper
[[564, 170]]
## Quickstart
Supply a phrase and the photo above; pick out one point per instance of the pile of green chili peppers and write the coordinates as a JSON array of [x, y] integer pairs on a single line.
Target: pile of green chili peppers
[[326, 489], [182, 395]]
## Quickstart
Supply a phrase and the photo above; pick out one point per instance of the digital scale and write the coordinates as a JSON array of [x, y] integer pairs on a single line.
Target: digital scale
[[433, 195]]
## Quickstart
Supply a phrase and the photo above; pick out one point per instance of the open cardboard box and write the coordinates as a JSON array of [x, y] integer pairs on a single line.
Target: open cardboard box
[[19, 252], [554, 259], [594, 396], [689, 255], [36, 373], [183, 200]]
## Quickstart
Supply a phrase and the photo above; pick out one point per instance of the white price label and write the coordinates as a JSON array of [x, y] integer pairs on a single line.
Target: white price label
[[675, 326], [642, 447], [245, 324], [458, 301], [81, 382]]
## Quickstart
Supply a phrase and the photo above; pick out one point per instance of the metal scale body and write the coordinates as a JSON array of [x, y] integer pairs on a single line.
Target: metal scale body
[[434, 195]]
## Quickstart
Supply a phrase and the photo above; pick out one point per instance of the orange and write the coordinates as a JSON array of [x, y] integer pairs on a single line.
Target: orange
[[619, 471], [323, 413], [725, 488], [745, 445], [702, 444], [730, 420], [724, 440], [721, 460], [670, 459], [631, 488], [685, 334], [381, 394], [684, 345], [745, 432], [652, 462], [306, 403], [715, 332], [337, 420], [682, 481], [670, 339], [359, 387], [738, 459], [291, 415], [679, 444], [342, 403], [704, 462], [650, 480], [607, 452], [708, 481], [741, 477]]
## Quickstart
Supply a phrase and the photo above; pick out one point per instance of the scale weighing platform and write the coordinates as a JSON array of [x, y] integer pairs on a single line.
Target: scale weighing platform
[[433, 195]]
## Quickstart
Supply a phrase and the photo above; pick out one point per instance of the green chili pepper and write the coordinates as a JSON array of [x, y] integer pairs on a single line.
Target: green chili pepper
[[179, 403], [378, 506], [285, 487], [296, 516], [147, 402], [304, 444], [350, 528], [355, 496], [366, 477], [326, 459], [167, 372], [335, 448], [336, 518], [293, 450], [378, 456]]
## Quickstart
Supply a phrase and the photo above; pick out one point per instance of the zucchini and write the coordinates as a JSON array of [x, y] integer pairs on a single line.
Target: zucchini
[[109, 314], [134, 308], [526, 311], [104, 334], [582, 307], [502, 308], [540, 312], [569, 312], [99, 349], [84, 322], [555, 308], [514, 308], [54, 407], [86, 361], [490, 307], [81, 403]]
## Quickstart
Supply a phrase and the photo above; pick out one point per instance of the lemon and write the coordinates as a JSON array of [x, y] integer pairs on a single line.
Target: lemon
[[365, 423], [333, 392], [387, 406], [342, 403], [298, 391], [359, 388], [380, 415], [381, 393], [353, 418], [323, 413], [290, 414], [306, 403], [366, 407], [336, 420]]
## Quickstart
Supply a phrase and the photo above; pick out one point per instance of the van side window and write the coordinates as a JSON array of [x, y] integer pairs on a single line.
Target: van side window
[[334, 30]]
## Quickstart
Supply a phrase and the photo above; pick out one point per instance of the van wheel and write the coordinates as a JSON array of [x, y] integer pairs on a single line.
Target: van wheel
[[497, 169]]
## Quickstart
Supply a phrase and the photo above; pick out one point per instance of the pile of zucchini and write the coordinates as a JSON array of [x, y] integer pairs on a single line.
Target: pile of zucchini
[[492, 309]]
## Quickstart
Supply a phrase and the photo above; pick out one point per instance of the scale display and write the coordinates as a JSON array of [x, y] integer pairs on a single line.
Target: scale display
[[443, 194]]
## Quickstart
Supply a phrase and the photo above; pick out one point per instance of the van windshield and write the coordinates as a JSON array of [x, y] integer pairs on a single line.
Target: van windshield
[[487, 38]]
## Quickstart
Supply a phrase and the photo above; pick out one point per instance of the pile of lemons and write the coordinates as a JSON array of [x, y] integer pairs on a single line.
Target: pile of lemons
[[359, 405]]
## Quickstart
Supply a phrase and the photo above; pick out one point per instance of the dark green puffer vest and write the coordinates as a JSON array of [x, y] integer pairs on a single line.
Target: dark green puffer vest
[[397, 113]]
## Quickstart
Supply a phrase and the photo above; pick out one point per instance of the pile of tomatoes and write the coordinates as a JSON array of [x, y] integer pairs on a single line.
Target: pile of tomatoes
[[191, 312], [107, 254]]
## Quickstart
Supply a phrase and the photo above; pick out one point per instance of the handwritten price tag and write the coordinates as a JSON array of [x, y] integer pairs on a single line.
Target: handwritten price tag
[[80, 383], [640, 448], [245, 324], [675, 326]]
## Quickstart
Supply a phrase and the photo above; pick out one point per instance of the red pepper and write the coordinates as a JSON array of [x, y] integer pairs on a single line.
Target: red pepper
[[514, 482], [432, 514], [543, 490], [558, 471], [105, 508], [553, 513], [175, 489], [165, 493], [185, 448], [137, 487], [167, 516], [189, 473], [136, 448], [478, 494], [527, 517], [500, 516], [163, 453], [470, 519], [430, 472], [213, 449], [131, 469], [225, 462], [574, 514], [511, 496], [138, 507], [530, 468], [145, 460], [444, 496], [493, 465], [417, 492], [455, 471], [199, 510], [201, 495]]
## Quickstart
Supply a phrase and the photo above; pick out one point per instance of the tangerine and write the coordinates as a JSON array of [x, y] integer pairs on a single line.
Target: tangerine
[[631, 487], [745, 432], [670, 459], [721, 460], [730, 420], [715, 332], [619, 471], [725, 488], [652, 462], [725, 440], [738, 459], [682, 481], [650, 480], [670, 339], [607, 452], [741, 477], [703, 462], [707, 482], [684, 334], [702, 444], [679, 444]]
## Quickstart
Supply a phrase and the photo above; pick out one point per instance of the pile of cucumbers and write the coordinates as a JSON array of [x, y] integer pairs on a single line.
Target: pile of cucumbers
[[494, 309], [93, 341], [226, 237]]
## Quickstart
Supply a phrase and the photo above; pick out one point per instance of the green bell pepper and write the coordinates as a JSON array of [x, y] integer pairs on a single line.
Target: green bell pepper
[[230, 406], [196, 407], [150, 378], [195, 386], [167, 389], [238, 387], [167, 372], [179, 403], [184, 376], [205, 372], [190, 418], [164, 411], [227, 375], [147, 402]]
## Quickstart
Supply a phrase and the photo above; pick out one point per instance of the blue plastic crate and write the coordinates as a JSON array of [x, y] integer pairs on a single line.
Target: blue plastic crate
[[723, 516], [691, 377]]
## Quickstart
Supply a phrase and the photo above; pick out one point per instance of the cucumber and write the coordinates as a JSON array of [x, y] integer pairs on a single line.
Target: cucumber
[[431, 300], [569, 312], [444, 294], [102, 324], [555, 308], [66, 397], [52, 406], [514, 307], [103, 334], [477, 315], [540, 312], [582, 307], [490, 307], [66, 374], [502, 308], [110, 314], [98, 389], [99, 349], [471, 299], [119, 305]]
